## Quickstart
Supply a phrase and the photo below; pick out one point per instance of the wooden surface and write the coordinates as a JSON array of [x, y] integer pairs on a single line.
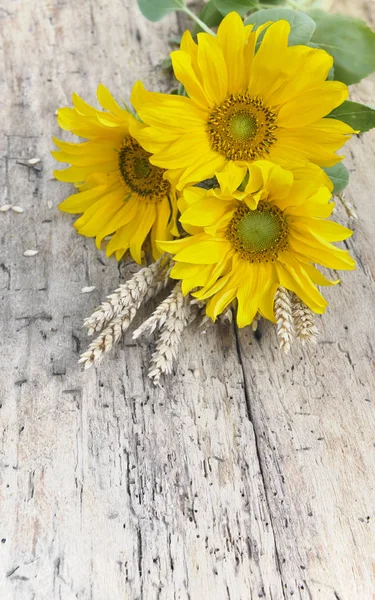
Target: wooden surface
[[249, 475]]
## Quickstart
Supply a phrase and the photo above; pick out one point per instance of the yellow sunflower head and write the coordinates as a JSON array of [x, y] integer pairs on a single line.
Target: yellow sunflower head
[[121, 194], [247, 240], [243, 104]]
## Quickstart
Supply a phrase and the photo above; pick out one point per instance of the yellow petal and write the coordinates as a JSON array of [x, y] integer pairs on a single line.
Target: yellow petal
[[279, 182], [83, 107], [231, 177], [109, 103], [161, 229], [177, 246], [304, 67], [329, 230], [189, 283], [321, 252], [318, 277], [312, 104], [123, 216], [178, 113], [213, 68], [218, 303], [299, 283], [142, 231], [184, 72], [207, 211], [231, 38], [307, 143], [269, 60], [206, 252], [77, 203]]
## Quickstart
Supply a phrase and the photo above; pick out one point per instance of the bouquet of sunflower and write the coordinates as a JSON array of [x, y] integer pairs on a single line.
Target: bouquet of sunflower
[[222, 189]]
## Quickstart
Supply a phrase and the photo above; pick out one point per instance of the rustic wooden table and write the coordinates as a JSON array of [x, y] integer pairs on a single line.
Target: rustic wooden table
[[249, 474]]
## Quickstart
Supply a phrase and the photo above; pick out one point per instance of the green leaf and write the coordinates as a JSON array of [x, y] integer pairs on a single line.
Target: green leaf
[[358, 116], [209, 15], [351, 43], [266, 3], [154, 10], [175, 40], [240, 6], [166, 63], [181, 90], [339, 175], [301, 25]]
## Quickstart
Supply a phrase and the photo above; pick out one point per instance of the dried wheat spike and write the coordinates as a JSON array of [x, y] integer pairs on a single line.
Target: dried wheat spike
[[284, 318], [160, 314], [304, 321], [178, 318], [348, 206], [108, 337], [144, 284]]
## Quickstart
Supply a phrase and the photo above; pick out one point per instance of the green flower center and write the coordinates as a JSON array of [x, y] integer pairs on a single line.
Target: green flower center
[[258, 230], [142, 167], [138, 174], [258, 235], [242, 128]]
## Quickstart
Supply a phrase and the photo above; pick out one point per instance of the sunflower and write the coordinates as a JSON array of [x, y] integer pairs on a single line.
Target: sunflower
[[243, 104], [243, 245], [121, 194]]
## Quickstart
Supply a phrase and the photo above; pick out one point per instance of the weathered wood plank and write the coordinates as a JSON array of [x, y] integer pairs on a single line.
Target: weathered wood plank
[[249, 475]]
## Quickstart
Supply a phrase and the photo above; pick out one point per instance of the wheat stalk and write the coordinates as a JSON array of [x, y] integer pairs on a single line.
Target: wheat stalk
[[108, 337], [304, 321], [118, 313], [348, 206], [284, 318], [144, 284], [178, 310]]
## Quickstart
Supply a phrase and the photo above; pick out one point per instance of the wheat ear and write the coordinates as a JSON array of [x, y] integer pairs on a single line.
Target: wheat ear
[[304, 321], [144, 284], [284, 318], [177, 317]]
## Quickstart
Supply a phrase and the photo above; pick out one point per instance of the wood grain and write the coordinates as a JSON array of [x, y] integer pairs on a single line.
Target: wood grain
[[249, 475]]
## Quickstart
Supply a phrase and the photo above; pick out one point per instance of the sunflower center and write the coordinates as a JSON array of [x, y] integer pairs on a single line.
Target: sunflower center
[[258, 235], [258, 230], [142, 167], [139, 174], [242, 128]]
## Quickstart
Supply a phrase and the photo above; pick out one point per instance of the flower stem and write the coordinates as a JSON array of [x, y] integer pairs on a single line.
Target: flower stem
[[197, 20]]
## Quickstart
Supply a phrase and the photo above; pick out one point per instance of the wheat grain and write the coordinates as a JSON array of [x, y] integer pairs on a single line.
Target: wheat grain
[[348, 206], [304, 321], [284, 318], [108, 337], [144, 284], [179, 314], [160, 314]]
